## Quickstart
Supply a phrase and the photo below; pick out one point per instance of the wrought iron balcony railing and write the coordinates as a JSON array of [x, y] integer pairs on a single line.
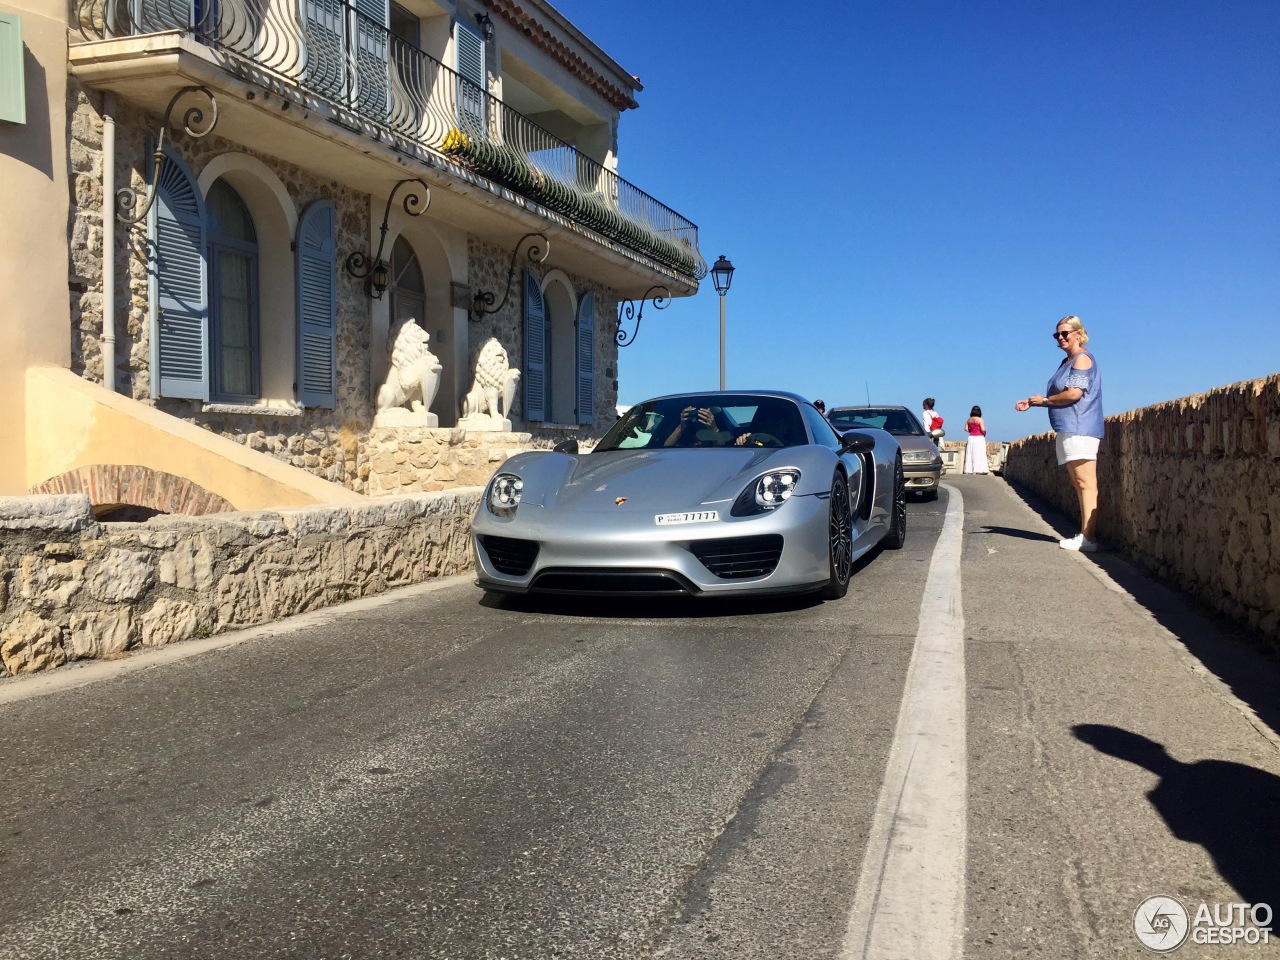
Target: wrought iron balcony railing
[[335, 51]]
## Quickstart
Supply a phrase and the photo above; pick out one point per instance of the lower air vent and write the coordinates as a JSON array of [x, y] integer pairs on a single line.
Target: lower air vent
[[739, 558], [653, 583], [509, 556]]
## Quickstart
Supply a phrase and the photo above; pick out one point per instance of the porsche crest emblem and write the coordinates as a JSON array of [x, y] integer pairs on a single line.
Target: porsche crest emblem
[[620, 501]]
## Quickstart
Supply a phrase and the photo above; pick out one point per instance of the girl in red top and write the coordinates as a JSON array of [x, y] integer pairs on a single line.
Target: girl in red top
[[975, 450]]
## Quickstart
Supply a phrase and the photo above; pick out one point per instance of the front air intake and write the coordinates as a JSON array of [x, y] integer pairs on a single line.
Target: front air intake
[[510, 556], [739, 558]]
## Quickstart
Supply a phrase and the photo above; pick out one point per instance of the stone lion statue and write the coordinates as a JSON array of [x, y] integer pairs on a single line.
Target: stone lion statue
[[414, 376], [495, 380]]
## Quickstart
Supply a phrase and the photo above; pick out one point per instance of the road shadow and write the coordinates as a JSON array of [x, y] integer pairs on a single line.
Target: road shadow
[[1227, 648], [1230, 809], [664, 607], [1020, 534]]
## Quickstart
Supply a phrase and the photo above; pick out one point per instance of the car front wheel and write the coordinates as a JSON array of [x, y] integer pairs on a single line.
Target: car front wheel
[[839, 540]]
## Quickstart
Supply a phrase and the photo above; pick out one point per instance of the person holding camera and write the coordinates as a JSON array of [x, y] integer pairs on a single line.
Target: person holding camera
[[692, 419]]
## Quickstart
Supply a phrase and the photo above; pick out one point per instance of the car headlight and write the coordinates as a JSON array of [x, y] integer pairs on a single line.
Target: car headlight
[[919, 456], [505, 491], [768, 492]]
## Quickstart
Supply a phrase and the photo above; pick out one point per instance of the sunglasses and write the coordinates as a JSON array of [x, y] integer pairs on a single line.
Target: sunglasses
[[1062, 334]]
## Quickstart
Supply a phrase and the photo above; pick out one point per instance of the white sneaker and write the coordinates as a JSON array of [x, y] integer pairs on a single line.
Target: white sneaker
[[1079, 543]]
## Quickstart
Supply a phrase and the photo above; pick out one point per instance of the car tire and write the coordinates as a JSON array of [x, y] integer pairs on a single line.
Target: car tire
[[839, 540], [897, 535], [929, 496]]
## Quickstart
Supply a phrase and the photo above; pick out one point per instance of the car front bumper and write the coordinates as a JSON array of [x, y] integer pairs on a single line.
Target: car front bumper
[[921, 478], [652, 559]]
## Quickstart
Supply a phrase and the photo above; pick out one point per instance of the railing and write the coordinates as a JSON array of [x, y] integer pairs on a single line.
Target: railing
[[332, 50]]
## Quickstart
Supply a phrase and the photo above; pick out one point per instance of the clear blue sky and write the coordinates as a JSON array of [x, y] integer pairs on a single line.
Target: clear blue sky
[[914, 192]]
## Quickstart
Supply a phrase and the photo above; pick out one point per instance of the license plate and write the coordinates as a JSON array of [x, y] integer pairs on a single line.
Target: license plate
[[697, 516]]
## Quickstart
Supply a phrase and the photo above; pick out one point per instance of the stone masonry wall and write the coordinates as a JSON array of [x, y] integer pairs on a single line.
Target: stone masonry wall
[[1190, 489], [72, 588]]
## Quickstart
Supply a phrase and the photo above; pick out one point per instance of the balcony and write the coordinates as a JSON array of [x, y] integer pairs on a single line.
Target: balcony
[[348, 78]]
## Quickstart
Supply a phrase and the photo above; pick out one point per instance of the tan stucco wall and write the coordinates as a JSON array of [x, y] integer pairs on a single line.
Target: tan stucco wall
[[1190, 489], [34, 316], [72, 423]]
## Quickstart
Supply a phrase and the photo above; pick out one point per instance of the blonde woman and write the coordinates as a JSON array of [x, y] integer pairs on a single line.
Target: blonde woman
[[1074, 400]]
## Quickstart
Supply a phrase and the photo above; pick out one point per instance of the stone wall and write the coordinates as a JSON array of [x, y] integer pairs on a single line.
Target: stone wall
[[72, 588], [1190, 489], [397, 460]]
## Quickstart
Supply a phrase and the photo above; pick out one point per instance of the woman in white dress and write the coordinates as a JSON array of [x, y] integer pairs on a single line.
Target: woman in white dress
[[975, 450]]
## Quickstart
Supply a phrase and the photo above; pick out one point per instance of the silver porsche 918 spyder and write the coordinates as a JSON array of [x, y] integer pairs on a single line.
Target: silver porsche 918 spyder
[[707, 494]]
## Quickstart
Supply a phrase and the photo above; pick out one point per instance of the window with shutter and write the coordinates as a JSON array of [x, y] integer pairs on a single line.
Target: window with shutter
[[317, 298], [177, 285], [324, 25], [472, 81], [373, 58], [586, 350], [535, 349]]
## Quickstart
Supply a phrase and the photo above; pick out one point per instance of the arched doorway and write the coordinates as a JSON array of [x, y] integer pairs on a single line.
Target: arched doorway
[[408, 285]]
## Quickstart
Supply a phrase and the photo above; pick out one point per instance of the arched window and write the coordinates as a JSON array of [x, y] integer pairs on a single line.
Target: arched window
[[233, 295]]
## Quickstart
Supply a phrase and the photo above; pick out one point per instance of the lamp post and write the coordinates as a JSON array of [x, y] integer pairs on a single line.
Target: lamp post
[[722, 276]]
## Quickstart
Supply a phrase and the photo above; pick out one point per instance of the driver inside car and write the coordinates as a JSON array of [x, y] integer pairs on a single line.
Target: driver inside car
[[770, 427]]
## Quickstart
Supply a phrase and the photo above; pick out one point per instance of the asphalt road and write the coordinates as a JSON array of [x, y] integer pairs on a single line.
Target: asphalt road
[[433, 775]]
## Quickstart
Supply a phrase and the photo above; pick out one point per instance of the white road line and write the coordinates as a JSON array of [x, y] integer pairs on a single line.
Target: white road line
[[910, 899]]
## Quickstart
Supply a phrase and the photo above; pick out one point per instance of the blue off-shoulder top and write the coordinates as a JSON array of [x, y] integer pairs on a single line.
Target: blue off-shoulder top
[[1083, 417]]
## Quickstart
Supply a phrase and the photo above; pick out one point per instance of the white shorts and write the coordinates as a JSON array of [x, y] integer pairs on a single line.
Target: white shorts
[[1076, 446]]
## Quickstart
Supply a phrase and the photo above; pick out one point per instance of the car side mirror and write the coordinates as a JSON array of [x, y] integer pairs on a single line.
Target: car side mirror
[[566, 446], [854, 442]]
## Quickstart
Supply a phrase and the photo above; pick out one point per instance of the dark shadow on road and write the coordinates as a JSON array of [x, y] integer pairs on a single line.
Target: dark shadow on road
[[1227, 648], [1020, 534], [1230, 809]]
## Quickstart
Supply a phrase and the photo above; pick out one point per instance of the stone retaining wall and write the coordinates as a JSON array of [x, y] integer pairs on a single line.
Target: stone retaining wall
[[72, 588], [398, 460], [1189, 489]]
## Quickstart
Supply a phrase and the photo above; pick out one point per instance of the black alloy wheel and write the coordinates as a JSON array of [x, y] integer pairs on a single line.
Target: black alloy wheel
[[839, 540], [897, 535]]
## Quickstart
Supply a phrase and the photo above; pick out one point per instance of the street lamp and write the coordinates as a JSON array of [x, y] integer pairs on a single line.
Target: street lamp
[[722, 276]]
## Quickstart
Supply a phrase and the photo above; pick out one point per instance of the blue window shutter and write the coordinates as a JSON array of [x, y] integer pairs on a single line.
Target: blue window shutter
[[317, 297], [586, 350], [535, 349], [373, 58], [178, 286], [13, 93], [472, 82], [470, 55]]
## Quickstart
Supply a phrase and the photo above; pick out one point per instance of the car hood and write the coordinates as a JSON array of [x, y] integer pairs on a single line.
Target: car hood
[[917, 445], [647, 480]]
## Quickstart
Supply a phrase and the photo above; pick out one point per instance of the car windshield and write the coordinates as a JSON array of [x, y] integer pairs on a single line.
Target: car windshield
[[898, 421], [699, 421]]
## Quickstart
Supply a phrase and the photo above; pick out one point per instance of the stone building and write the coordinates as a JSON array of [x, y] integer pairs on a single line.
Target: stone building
[[217, 215]]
